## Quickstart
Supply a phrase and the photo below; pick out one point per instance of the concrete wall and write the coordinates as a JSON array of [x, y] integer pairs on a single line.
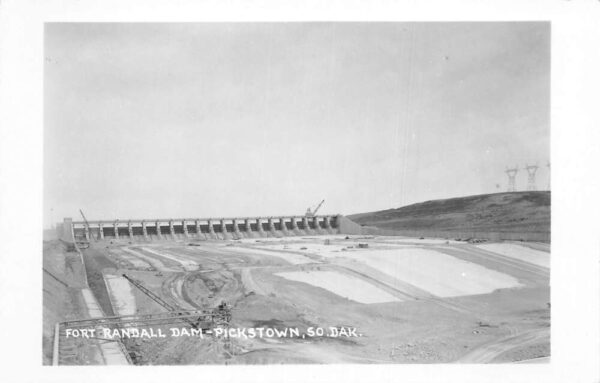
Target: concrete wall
[[347, 226], [65, 231]]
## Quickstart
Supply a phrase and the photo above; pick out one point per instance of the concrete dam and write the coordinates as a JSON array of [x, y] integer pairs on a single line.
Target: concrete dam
[[203, 228]]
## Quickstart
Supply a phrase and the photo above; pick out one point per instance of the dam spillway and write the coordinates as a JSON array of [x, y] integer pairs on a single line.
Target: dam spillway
[[197, 228]]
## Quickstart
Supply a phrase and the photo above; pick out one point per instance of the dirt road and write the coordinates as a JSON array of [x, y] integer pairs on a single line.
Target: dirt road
[[488, 352]]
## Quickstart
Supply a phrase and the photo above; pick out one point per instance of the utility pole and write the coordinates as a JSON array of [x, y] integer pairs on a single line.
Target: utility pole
[[511, 173], [531, 170]]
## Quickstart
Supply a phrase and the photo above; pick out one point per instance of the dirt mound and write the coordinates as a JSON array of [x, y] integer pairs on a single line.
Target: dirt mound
[[517, 211]]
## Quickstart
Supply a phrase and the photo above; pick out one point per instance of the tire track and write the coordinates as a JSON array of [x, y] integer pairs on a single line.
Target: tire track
[[489, 351]]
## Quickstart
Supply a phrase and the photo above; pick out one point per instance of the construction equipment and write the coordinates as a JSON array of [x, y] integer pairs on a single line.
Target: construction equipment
[[204, 320], [208, 318], [87, 224], [66, 348], [139, 319], [313, 212], [82, 240], [150, 294]]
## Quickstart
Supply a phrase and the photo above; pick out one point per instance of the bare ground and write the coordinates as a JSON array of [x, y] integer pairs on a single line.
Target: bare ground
[[505, 325]]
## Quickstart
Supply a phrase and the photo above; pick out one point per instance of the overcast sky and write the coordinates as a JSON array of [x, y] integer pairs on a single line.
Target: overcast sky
[[240, 119]]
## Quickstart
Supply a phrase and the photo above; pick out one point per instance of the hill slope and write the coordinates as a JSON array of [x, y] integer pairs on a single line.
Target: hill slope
[[502, 212]]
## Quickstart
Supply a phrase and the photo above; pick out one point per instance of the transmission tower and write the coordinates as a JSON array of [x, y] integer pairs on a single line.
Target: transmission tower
[[511, 173], [531, 170]]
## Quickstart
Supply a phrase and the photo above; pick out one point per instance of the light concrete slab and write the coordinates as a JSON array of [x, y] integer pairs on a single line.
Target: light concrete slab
[[343, 285], [439, 274], [537, 257]]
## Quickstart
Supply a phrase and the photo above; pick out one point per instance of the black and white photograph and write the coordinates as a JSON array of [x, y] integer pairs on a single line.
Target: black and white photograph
[[267, 193], [299, 191]]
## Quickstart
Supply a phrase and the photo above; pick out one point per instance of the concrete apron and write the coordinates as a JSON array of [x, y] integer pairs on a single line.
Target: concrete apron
[[111, 351]]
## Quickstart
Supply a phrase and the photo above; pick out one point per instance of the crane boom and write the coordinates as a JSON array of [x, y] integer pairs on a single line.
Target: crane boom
[[149, 293], [318, 207], [221, 314], [312, 213], [86, 222], [157, 299]]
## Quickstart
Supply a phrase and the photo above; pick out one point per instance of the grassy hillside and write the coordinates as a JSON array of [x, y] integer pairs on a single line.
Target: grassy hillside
[[517, 211]]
